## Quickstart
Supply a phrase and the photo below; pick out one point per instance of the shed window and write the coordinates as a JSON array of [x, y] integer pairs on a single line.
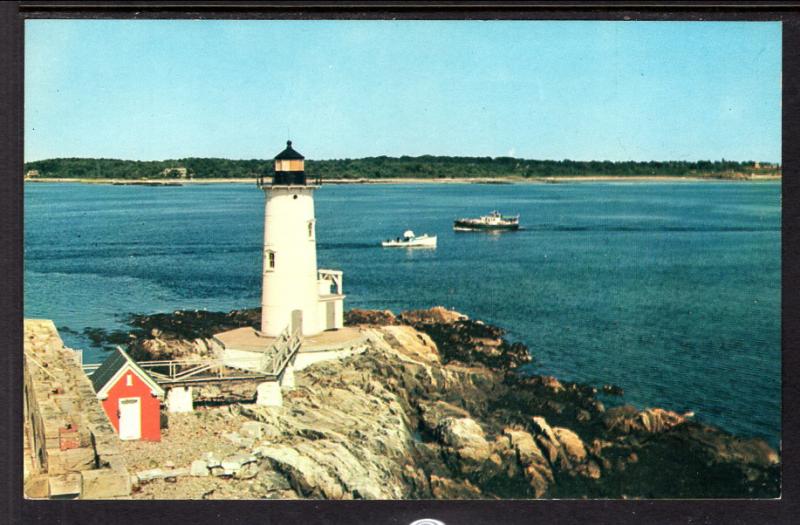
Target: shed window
[[129, 380]]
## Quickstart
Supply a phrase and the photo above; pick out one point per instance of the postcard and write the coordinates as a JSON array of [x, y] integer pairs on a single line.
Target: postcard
[[402, 259]]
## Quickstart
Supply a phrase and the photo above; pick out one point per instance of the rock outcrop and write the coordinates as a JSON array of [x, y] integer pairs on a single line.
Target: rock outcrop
[[439, 406]]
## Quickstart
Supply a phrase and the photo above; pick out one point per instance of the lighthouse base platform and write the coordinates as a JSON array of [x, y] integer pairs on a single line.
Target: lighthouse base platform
[[246, 345]]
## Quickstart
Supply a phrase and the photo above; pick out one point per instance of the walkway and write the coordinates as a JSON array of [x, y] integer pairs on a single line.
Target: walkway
[[274, 356]]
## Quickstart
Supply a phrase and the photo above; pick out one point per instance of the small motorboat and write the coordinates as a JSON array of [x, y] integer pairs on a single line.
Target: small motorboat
[[409, 240]]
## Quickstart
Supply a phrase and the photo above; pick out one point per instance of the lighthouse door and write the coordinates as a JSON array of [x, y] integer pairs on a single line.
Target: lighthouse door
[[330, 315], [297, 321]]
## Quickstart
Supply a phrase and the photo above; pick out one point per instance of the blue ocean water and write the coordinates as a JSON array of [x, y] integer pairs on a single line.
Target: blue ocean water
[[670, 290]]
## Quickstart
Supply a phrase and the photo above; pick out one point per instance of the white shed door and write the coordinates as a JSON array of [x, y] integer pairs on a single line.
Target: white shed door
[[130, 418]]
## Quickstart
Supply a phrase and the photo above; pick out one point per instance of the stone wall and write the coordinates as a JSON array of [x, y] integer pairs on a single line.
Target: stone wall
[[71, 449]]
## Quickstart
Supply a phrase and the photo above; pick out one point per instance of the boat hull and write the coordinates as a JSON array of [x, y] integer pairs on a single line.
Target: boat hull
[[470, 226], [429, 242]]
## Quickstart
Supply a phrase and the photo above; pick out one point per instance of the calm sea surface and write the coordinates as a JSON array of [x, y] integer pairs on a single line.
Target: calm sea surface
[[670, 290]]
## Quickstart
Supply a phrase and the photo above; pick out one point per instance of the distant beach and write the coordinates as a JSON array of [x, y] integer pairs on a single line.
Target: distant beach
[[411, 180]]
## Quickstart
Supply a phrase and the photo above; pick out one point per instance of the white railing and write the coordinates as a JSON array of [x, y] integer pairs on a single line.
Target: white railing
[[334, 276], [282, 351], [270, 364]]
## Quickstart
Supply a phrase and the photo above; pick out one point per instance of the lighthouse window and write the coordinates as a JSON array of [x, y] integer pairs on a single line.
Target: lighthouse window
[[269, 260], [311, 230]]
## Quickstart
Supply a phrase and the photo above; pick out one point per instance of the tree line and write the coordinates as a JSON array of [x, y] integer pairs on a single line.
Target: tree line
[[426, 166]]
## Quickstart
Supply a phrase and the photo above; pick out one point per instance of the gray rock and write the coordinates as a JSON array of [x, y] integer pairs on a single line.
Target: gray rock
[[464, 440], [235, 462], [247, 471], [462, 432], [211, 460], [238, 440], [149, 475], [199, 468], [253, 429], [306, 474], [272, 481], [157, 473]]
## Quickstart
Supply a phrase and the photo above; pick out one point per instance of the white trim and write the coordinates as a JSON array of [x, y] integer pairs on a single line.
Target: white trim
[[144, 376], [331, 297], [116, 377], [130, 366]]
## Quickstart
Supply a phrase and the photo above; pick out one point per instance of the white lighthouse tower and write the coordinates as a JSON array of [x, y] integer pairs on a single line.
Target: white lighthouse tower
[[295, 293]]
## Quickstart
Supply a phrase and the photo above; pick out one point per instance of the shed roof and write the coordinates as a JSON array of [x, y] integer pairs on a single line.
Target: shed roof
[[289, 153], [114, 363]]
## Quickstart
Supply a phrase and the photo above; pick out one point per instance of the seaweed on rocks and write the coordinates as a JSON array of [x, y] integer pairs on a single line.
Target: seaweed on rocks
[[192, 324], [68, 330], [357, 316], [180, 325], [107, 340]]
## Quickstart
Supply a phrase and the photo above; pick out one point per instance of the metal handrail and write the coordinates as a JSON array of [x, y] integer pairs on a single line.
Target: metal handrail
[[282, 351], [271, 364]]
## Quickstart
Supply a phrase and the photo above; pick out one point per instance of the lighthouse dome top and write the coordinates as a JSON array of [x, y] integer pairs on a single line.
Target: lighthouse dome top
[[289, 169], [289, 153]]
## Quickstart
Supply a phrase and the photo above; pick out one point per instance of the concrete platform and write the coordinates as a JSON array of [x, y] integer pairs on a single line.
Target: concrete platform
[[247, 339], [243, 347]]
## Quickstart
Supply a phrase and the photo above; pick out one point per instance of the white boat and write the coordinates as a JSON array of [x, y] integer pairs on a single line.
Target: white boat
[[409, 240], [494, 221]]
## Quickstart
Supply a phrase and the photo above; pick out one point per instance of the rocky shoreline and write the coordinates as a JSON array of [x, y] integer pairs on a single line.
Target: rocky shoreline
[[438, 407]]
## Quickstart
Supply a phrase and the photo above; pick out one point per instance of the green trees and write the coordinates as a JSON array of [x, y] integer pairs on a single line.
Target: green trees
[[427, 166]]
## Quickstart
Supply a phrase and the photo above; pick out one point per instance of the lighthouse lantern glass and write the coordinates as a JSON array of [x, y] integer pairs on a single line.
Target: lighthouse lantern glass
[[289, 165]]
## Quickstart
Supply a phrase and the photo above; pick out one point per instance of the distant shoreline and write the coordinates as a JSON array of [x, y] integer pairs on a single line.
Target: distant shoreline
[[466, 180]]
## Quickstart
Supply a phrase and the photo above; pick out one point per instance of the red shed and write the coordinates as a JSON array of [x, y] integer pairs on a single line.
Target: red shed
[[130, 397]]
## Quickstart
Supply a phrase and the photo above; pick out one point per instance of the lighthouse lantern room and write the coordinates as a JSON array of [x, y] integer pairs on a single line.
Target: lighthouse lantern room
[[295, 293]]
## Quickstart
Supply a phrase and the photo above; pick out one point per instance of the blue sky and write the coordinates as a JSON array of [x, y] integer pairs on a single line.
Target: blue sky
[[150, 90]]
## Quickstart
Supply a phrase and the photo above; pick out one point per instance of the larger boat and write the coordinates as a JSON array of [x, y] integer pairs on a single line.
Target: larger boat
[[493, 221]]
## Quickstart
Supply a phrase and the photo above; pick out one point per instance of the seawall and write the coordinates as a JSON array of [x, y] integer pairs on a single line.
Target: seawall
[[70, 447]]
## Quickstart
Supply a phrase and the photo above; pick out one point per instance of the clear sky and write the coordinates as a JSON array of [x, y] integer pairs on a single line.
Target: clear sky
[[152, 90]]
